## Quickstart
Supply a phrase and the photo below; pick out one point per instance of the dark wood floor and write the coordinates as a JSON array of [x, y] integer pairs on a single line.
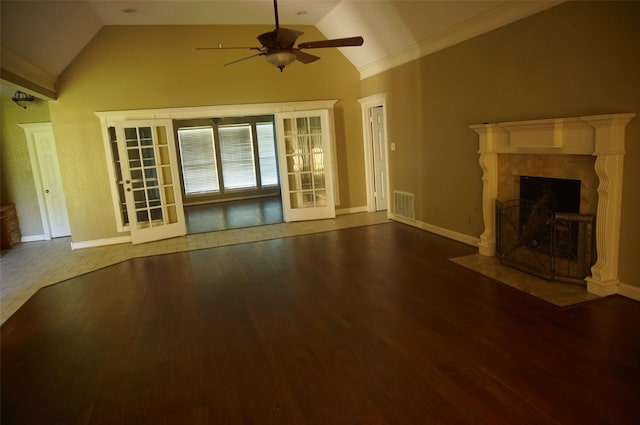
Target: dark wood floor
[[233, 214], [370, 325]]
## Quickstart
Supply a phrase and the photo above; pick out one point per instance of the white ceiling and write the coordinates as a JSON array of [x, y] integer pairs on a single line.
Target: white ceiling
[[49, 34]]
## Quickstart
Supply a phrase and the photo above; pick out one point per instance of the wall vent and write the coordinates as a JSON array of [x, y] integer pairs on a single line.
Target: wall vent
[[403, 203]]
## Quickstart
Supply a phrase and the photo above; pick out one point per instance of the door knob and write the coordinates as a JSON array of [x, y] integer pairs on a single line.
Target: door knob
[[46, 191]]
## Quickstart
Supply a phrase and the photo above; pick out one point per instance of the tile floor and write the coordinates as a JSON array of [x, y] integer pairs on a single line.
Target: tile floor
[[30, 266], [558, 293]]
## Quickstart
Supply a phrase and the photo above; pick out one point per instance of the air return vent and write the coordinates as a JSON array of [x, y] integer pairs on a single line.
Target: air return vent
[[404, 205]]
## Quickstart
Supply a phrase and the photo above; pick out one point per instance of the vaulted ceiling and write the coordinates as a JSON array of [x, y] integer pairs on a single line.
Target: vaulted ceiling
[[41, 38]]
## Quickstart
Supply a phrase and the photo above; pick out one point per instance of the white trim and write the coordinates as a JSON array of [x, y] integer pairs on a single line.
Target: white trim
[[441, 231], [215, 110], [629, 291], [29, 131], [366, 103], [35, 238], [352, 210], [100, 242], [504, 14]]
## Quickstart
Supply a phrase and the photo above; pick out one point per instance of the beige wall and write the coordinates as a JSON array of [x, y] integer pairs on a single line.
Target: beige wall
[[575, 59], [126, 68], [18, 186]]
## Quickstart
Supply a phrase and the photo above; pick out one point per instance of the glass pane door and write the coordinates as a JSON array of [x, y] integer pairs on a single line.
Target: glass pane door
[[304, 147], [151, 181]]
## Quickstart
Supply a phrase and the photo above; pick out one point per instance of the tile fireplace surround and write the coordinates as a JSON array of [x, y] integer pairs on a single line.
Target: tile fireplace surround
[[602, 136]]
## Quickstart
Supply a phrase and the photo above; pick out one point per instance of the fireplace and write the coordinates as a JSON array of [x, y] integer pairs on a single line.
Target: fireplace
[[535, 236], [589, 149], [554, 194]]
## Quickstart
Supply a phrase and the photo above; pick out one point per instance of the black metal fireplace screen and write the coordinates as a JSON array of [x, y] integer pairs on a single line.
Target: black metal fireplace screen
[[551, 245]]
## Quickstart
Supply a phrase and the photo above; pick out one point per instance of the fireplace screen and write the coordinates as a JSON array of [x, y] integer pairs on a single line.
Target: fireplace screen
[[551, 245]]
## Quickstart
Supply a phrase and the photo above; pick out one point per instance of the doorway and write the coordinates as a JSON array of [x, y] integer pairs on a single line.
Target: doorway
[[375, 151], [48, 182], [228, 172], [305, 183]]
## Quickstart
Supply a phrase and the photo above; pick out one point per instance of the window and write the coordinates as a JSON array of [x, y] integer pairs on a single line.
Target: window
[[229, 155], [267, 154], [236, 154], [198, 158]]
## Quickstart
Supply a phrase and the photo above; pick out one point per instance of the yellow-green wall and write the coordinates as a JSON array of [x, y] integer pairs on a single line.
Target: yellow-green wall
[[578, 58], [17, 184], [130, 67]]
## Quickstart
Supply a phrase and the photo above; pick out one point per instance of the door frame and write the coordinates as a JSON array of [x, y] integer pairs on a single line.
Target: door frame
[[108, 118], [366, 104], [30, 131]]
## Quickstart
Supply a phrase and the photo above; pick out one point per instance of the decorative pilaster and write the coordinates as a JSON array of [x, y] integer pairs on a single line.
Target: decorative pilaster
[[489, 165], [609, 166], [491, 136]]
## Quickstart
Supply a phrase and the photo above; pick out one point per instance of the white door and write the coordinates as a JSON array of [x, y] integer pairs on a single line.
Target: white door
[[379, 158], [148, 162], [306, 175], [48, 182]]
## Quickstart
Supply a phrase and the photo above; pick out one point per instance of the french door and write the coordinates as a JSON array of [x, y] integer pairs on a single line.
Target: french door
[[306, 175], [148, 162]]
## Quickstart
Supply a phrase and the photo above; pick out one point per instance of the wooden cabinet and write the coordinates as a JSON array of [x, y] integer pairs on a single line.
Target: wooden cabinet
[[10, 227]]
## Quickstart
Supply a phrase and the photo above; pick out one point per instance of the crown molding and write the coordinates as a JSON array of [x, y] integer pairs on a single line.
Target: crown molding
[[497, 17]]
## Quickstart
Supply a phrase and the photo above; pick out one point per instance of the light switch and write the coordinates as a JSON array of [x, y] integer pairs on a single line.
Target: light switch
[[393, 147]]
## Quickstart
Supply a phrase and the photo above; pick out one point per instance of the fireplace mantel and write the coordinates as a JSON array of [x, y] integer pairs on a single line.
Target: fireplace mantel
[[600, 135]]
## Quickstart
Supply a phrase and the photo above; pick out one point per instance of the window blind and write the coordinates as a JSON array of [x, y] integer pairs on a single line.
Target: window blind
[[198, 156], [236, 156], [267, 154]]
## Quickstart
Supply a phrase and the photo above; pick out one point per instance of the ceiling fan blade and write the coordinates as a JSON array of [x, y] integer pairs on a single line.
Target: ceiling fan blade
[[304, 57], [336, 42], [244, 59]]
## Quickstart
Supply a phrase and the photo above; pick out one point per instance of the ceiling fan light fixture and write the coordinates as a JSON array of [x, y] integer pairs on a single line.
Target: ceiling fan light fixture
[[280, 58]]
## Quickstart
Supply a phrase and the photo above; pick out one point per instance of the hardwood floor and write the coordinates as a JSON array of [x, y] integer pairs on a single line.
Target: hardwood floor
[[369, 325], [233, 214]]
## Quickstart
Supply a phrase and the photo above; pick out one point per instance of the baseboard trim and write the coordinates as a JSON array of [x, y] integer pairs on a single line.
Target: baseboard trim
[[35, 238], [629, 291], [460, 237], [100, 242], [352, 210]]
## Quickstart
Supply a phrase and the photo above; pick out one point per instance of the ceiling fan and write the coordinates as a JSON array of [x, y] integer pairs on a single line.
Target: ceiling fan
[[278, 45]]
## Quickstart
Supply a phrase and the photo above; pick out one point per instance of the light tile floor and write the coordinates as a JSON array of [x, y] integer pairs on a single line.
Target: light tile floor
[[27, 267], [558, 293]]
